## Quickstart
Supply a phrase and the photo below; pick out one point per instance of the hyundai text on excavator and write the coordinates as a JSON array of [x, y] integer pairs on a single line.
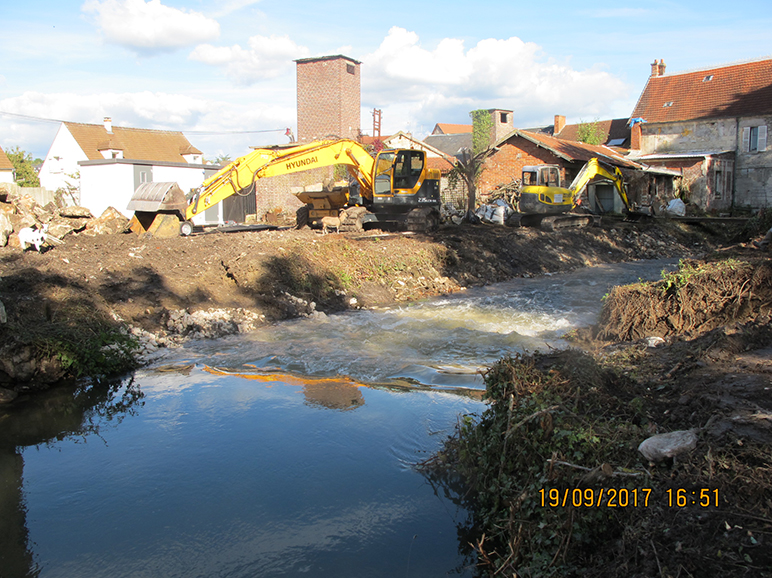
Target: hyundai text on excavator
[[542, 201], [395, 187]]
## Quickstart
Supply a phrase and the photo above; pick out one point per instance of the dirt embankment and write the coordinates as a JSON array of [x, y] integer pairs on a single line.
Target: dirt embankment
[[211, 284]]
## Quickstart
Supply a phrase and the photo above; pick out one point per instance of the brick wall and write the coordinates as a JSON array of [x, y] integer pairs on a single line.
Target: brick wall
[[328, 98], [508, 163]]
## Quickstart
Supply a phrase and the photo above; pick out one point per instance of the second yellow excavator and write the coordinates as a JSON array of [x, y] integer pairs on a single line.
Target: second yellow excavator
[[395, 187], [543, 201]]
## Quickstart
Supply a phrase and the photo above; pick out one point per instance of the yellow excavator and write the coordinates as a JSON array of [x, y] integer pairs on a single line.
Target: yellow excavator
[[395, 187], [544, 202]]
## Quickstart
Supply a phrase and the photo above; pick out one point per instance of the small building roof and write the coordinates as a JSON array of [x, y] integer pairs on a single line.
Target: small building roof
[[450, 144], [447, 128], [5, 162], [330, 57], [614, 132], [733, 90], [572, 151], [136, 143]]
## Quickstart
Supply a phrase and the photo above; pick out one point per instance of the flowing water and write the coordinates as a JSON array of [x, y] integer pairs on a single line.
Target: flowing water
[[289, 451]]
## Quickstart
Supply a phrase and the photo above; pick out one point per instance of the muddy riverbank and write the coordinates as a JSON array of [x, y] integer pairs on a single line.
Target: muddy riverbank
[[82, 291]]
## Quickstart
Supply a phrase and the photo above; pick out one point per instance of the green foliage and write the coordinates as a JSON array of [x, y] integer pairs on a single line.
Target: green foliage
[[537, 435], [26, 175], [222, 159], [106, 352], [590, 133], [689, 271], [482, 125], [469, 169]]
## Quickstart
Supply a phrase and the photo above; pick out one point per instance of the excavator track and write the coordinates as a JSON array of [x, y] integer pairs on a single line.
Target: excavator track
[[568, 221], [423, 220], [351, 219]]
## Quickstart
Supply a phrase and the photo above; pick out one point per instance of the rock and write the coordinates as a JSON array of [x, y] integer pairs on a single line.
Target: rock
[[108, 223], [668, 445], [7, 395], [75, 213], [3, 314], [6, 228], [654, 341]]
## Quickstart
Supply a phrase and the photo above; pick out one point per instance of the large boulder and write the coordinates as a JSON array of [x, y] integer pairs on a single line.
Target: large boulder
[[108, 223], [6, 228]]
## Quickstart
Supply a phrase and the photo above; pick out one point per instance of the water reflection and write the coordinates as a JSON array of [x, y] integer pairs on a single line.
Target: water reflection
[[68, 411]]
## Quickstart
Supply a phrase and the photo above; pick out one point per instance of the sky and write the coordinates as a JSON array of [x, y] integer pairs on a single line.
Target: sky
[[223, 71]]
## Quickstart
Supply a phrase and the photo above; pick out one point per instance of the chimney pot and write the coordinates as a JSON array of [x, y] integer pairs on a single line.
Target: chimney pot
[[109, 125]]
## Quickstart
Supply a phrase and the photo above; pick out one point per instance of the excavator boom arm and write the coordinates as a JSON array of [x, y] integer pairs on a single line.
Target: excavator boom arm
[[260, 163], [593, 169]]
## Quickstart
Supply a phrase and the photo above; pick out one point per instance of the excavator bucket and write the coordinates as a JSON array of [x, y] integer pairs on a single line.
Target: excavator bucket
[[158, 209]]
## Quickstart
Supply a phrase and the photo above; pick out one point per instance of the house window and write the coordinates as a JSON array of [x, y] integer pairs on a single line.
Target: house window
[[755, 139], [718, 188], [350, 68], [708, 78], [503, 118]]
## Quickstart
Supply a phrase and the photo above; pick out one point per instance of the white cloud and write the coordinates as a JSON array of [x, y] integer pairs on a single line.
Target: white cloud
[[162, 111], [150, 26], [227, 7], [445, 83], [266, 57]]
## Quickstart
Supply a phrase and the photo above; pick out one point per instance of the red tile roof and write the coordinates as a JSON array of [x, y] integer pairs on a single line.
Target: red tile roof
[[615, 129], [735, 90], [446, 128], [572, 150], [136, 143], [5, 162], [439, 163]]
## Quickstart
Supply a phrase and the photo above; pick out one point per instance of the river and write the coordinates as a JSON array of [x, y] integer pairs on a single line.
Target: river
[[289, 451]]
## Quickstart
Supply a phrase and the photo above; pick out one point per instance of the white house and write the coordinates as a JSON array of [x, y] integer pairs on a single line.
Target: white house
[[109, 163], [6, 168]]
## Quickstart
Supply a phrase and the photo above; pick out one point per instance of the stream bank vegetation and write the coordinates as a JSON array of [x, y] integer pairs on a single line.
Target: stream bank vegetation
[[551, 470]]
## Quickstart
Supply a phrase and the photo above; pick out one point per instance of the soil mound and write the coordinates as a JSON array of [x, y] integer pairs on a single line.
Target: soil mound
[[699, 297]]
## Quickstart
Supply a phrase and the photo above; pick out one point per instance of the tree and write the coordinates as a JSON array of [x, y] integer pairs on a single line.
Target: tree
[[590, 133], [470, 163], [26, 175], [482, 126], [469, 167]]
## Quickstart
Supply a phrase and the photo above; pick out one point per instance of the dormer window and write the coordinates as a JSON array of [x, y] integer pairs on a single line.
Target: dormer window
[[708, 78], [667, 104], [112, 153]]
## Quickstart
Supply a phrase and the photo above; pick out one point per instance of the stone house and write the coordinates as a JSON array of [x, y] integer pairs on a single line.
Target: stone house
[[711, 126], [108, 163]]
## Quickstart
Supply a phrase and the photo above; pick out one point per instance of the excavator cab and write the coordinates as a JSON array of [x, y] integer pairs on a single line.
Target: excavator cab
[[541, 175], [541, 190]]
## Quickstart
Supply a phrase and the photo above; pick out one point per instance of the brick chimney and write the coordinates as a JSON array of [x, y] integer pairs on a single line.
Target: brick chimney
[[109, 125], [635, 137], [560, 124], [658, 68]]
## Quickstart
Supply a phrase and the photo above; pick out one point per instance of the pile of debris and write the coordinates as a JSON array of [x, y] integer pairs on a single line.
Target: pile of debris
[[19, 211]]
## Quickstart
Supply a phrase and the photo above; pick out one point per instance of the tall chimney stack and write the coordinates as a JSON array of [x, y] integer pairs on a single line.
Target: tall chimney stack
[[109, 125], [560, 124]]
